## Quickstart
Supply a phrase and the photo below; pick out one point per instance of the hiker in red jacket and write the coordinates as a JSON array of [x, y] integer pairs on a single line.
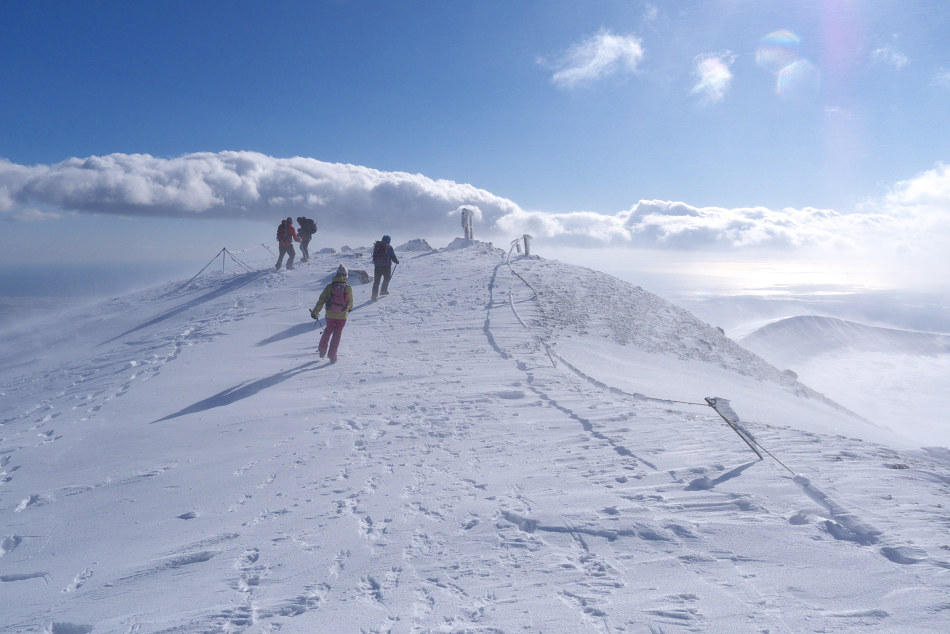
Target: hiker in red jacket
[[286, 236]]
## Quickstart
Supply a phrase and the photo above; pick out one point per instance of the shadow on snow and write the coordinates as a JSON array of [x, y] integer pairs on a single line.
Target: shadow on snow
[[293, 331], [240, 392]]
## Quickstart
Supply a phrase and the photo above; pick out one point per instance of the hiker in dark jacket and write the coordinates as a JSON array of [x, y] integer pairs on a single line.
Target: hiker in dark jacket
[[307, 228], [338, 298], [286, 236], [383, 258]]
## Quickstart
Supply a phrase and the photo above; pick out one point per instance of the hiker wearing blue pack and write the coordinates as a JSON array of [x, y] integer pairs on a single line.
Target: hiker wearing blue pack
[[338, 298], [286, 236], [383, 258]]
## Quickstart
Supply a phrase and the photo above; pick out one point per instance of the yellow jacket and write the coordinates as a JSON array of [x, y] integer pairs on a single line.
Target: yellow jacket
[[325, 297]]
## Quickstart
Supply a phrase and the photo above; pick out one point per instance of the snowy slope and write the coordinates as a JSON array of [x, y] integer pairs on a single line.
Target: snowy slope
[[502, 447]]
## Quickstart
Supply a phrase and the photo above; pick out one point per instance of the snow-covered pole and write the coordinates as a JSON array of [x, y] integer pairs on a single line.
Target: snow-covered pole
[[202, 270], [467, 223], [527, 244], [722, 408], [234, 259]]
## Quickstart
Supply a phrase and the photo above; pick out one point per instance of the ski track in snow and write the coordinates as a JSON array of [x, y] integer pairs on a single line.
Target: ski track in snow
[[455, 472]]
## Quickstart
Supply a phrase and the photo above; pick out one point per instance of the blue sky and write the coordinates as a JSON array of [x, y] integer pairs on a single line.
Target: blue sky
[[712, 124]]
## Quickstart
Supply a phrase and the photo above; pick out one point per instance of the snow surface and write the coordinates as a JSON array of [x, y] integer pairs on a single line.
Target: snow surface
[[503, 446]]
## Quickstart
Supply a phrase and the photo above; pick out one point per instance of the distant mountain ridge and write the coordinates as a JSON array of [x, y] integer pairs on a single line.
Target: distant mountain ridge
[[796, 339]]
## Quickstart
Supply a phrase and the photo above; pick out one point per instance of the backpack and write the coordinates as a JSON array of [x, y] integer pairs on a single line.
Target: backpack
[[280, 232], [381, 253], [338, 298], [311, 225]]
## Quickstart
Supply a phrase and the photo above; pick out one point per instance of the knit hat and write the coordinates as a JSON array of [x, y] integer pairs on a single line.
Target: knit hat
[[341, 271], [386, 239]]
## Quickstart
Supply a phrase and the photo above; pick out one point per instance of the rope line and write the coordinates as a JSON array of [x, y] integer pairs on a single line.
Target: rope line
[[246, 267], [748, 438]]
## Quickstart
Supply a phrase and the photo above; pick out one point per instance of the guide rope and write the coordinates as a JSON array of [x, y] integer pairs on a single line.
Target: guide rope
[[750, 440]]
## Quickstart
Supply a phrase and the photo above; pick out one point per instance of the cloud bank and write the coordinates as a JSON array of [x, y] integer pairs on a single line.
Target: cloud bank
[[234, 185], [657, 223], [915, 214]]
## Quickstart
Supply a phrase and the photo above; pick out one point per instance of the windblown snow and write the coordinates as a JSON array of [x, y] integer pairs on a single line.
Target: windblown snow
[[506, 444]]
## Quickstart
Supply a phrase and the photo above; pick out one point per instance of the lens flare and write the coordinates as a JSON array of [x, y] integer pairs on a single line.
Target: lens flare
[[801, 79], [795, 77], [777, 50]]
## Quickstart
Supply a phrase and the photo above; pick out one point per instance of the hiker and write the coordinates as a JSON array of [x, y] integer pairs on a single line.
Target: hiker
[[307, 228], [383, 257], [286, 236], [338, 298]]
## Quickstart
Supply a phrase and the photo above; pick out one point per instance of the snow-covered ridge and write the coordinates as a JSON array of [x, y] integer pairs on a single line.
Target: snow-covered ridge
[[480, 459], [796, 339], [588, 301]]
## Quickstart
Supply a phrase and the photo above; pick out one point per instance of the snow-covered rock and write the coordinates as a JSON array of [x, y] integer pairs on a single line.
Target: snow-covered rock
[[415, 245]]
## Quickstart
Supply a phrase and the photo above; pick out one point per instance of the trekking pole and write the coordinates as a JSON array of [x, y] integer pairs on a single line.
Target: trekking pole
[[394, 270]]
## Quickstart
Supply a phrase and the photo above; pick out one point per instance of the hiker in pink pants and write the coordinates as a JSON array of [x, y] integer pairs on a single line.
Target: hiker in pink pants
[[338, 298]]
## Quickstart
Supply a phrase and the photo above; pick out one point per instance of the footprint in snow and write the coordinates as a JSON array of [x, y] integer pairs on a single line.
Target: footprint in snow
[[27, 503], [9, 544], [78, 580]]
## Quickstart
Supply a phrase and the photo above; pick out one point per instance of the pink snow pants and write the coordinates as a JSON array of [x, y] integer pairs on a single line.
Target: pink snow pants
[[331, 335]]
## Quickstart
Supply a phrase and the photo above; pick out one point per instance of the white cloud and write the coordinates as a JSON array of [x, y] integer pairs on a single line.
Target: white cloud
[[657, 223], [32, 214], [713, 76], [597, 57], [237, 185], [839, 112], [942, 78], [890, 55], [914, 216], [925, 196]]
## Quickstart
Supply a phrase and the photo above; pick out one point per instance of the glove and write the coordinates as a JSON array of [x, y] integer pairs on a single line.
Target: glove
[[314, 314]]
